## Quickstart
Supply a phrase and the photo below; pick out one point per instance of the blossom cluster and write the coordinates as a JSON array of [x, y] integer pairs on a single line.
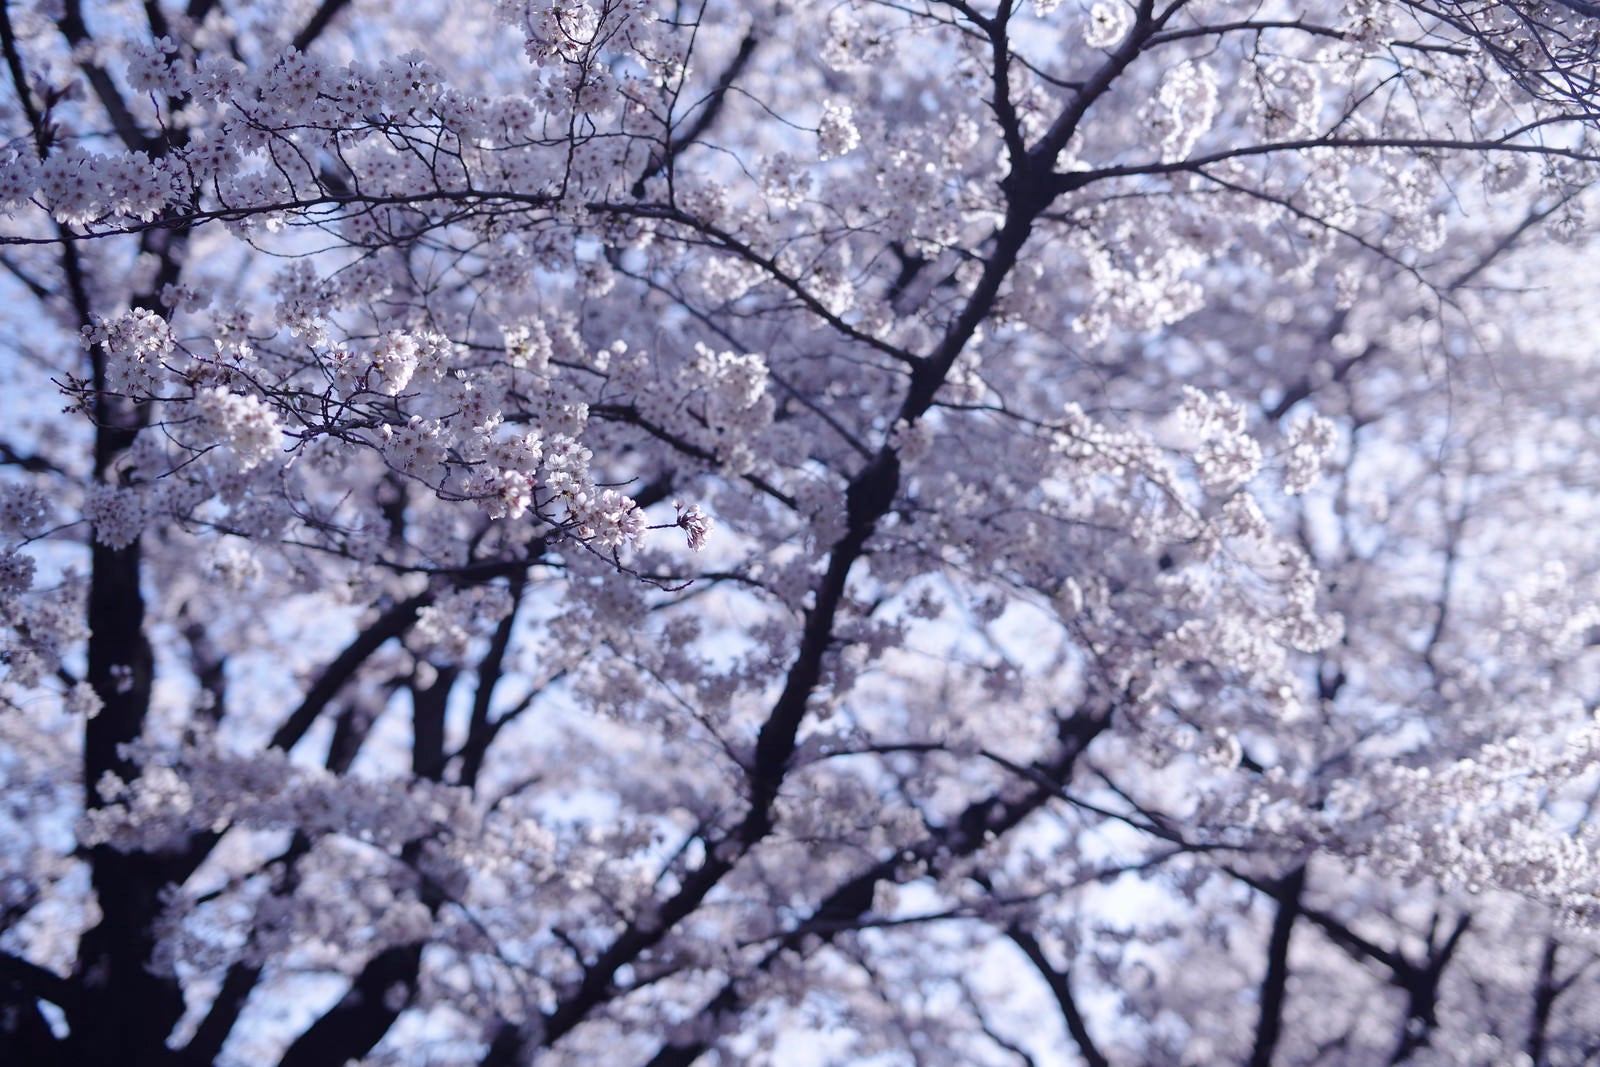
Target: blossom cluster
[[1049, 400]]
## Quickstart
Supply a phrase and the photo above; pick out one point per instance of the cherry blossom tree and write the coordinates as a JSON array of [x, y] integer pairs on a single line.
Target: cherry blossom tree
[[617, 531]]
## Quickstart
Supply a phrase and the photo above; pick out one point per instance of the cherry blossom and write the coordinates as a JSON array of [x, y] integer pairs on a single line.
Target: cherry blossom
[[607, 531]]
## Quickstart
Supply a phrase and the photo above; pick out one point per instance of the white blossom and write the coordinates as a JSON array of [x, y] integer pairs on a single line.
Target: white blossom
[[1108, 21], [117, 514], [584, 532], [250, 429], [836, 133]]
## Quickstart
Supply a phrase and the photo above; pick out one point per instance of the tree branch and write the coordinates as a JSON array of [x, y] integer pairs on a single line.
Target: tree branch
[[1061, 989], [319, 22], [1275, 983]]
